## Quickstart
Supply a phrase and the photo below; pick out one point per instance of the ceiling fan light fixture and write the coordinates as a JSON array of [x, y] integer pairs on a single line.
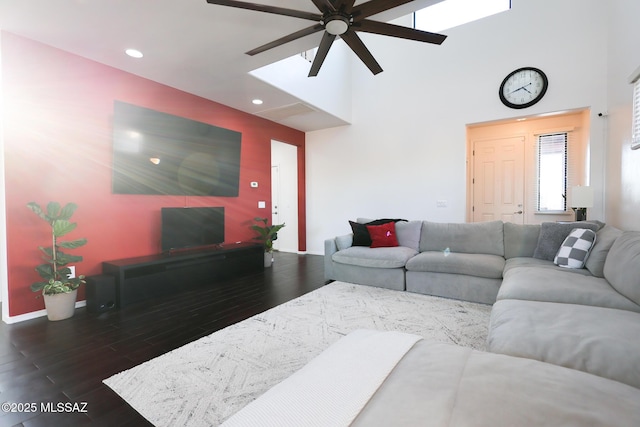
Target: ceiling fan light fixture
[[337, 25]]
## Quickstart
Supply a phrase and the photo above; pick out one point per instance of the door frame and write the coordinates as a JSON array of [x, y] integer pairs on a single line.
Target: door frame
[[577, 121], [285, 157]]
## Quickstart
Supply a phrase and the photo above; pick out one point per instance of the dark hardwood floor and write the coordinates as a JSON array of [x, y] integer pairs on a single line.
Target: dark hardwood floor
[[44, 362]]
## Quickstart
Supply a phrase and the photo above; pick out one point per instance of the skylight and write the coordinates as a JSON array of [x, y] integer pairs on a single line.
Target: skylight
[[451, 13]]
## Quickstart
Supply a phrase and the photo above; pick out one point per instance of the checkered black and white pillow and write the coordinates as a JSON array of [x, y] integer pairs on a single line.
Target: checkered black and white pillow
[[575, 249]]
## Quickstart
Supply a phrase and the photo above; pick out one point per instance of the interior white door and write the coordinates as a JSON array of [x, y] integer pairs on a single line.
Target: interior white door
[[275, 202], [498, 180], [284, 194]]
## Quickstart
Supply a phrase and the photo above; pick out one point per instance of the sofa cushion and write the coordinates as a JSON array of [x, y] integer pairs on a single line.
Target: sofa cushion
[[541, 263], [479, 265], [409, 233], [604, 240], [470, 238], [383, 235], [552, 234], [375, 257], [601, 341], [562, 286], [622, 267], [345, 241], [439, 384], [520, 240], [575, 249]]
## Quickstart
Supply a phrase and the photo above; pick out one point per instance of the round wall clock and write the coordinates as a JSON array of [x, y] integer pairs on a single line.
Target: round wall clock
[[523, 87]]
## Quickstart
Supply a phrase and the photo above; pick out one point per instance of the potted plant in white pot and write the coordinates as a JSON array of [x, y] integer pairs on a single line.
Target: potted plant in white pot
[[267, 234], [59, 290]]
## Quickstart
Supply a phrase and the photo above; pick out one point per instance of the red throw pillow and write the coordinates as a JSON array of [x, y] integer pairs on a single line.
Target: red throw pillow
[[383, 236]]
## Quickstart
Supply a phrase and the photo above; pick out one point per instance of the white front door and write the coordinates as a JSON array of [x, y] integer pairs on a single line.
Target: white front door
[[498, 180], [284, 194]]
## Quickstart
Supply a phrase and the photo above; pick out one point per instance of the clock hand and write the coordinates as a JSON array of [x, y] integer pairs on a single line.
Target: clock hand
[[521, 88]]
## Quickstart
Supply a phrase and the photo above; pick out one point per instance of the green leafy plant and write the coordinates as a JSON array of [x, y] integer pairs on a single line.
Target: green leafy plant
[[55, 271], [266, 233]]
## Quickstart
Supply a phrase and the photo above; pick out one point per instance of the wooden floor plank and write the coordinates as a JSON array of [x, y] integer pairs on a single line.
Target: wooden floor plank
[[66, 361]]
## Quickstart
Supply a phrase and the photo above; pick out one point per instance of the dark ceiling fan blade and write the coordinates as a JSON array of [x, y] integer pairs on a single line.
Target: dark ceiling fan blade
[[269, 9], [345, 5], [372, 7], [385, 29], [321, 54], [324, 5], [354, 42], [286, 39]]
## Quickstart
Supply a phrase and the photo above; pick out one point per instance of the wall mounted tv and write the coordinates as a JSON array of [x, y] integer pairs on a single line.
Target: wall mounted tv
[[158, 153], [191, 227]]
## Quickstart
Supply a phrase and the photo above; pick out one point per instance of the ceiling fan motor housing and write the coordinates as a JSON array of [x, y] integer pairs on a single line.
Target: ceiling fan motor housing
[[336, 24]]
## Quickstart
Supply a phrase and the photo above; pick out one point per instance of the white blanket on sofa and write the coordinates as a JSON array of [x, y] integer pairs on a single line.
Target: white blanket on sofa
[[332, 389]]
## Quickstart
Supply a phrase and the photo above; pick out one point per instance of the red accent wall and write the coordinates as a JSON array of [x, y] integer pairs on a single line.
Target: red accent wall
[[58, 110]]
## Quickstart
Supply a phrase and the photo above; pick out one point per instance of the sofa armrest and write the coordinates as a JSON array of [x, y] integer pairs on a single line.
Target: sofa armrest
[[330, 248]]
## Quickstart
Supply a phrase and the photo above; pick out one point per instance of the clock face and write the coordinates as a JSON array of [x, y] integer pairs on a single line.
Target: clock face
[[523, 87]]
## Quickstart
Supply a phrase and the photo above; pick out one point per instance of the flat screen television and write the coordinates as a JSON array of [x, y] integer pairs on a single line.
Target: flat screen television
[[158, 153], [184, 228]]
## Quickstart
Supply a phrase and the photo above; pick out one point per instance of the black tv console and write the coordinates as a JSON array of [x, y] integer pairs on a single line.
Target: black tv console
[[141, 278]]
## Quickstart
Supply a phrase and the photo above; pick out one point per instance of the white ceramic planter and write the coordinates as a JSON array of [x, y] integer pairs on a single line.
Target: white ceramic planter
[[60, 306], [268, 259]]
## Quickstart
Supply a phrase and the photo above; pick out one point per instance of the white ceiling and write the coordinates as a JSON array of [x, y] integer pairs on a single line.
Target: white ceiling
[[188, 44]]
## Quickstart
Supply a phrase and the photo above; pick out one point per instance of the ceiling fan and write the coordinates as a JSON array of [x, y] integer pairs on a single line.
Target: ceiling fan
[[339, 18]]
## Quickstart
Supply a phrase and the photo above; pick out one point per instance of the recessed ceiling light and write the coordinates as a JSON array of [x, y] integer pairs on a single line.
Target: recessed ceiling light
[[134, 53], [257, 101]]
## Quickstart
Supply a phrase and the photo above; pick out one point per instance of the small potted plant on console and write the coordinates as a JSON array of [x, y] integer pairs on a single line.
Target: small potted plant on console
[[59, 290], [267, 234]]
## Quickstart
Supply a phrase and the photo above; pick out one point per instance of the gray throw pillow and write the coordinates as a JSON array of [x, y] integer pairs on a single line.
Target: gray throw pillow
[[552, 234]]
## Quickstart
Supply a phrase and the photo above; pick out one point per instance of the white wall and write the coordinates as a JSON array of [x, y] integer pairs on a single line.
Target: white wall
[[290, 75], [623, 165], [406, 146]]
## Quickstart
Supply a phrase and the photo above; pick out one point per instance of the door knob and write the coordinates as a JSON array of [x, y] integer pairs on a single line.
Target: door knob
[[518, 212]]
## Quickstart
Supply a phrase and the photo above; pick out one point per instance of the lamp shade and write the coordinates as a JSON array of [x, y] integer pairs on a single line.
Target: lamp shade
[[581, 197]]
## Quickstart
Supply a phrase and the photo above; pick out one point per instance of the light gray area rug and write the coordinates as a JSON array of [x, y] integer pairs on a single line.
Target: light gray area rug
[[206, 381]]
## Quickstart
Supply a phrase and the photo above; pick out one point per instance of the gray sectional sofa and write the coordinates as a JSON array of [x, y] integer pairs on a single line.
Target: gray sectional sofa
[[586, 319], [563, 347]]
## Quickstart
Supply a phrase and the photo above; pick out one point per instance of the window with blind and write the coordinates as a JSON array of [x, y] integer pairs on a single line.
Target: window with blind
[[635, 127], [553, 172], [451, 13]]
